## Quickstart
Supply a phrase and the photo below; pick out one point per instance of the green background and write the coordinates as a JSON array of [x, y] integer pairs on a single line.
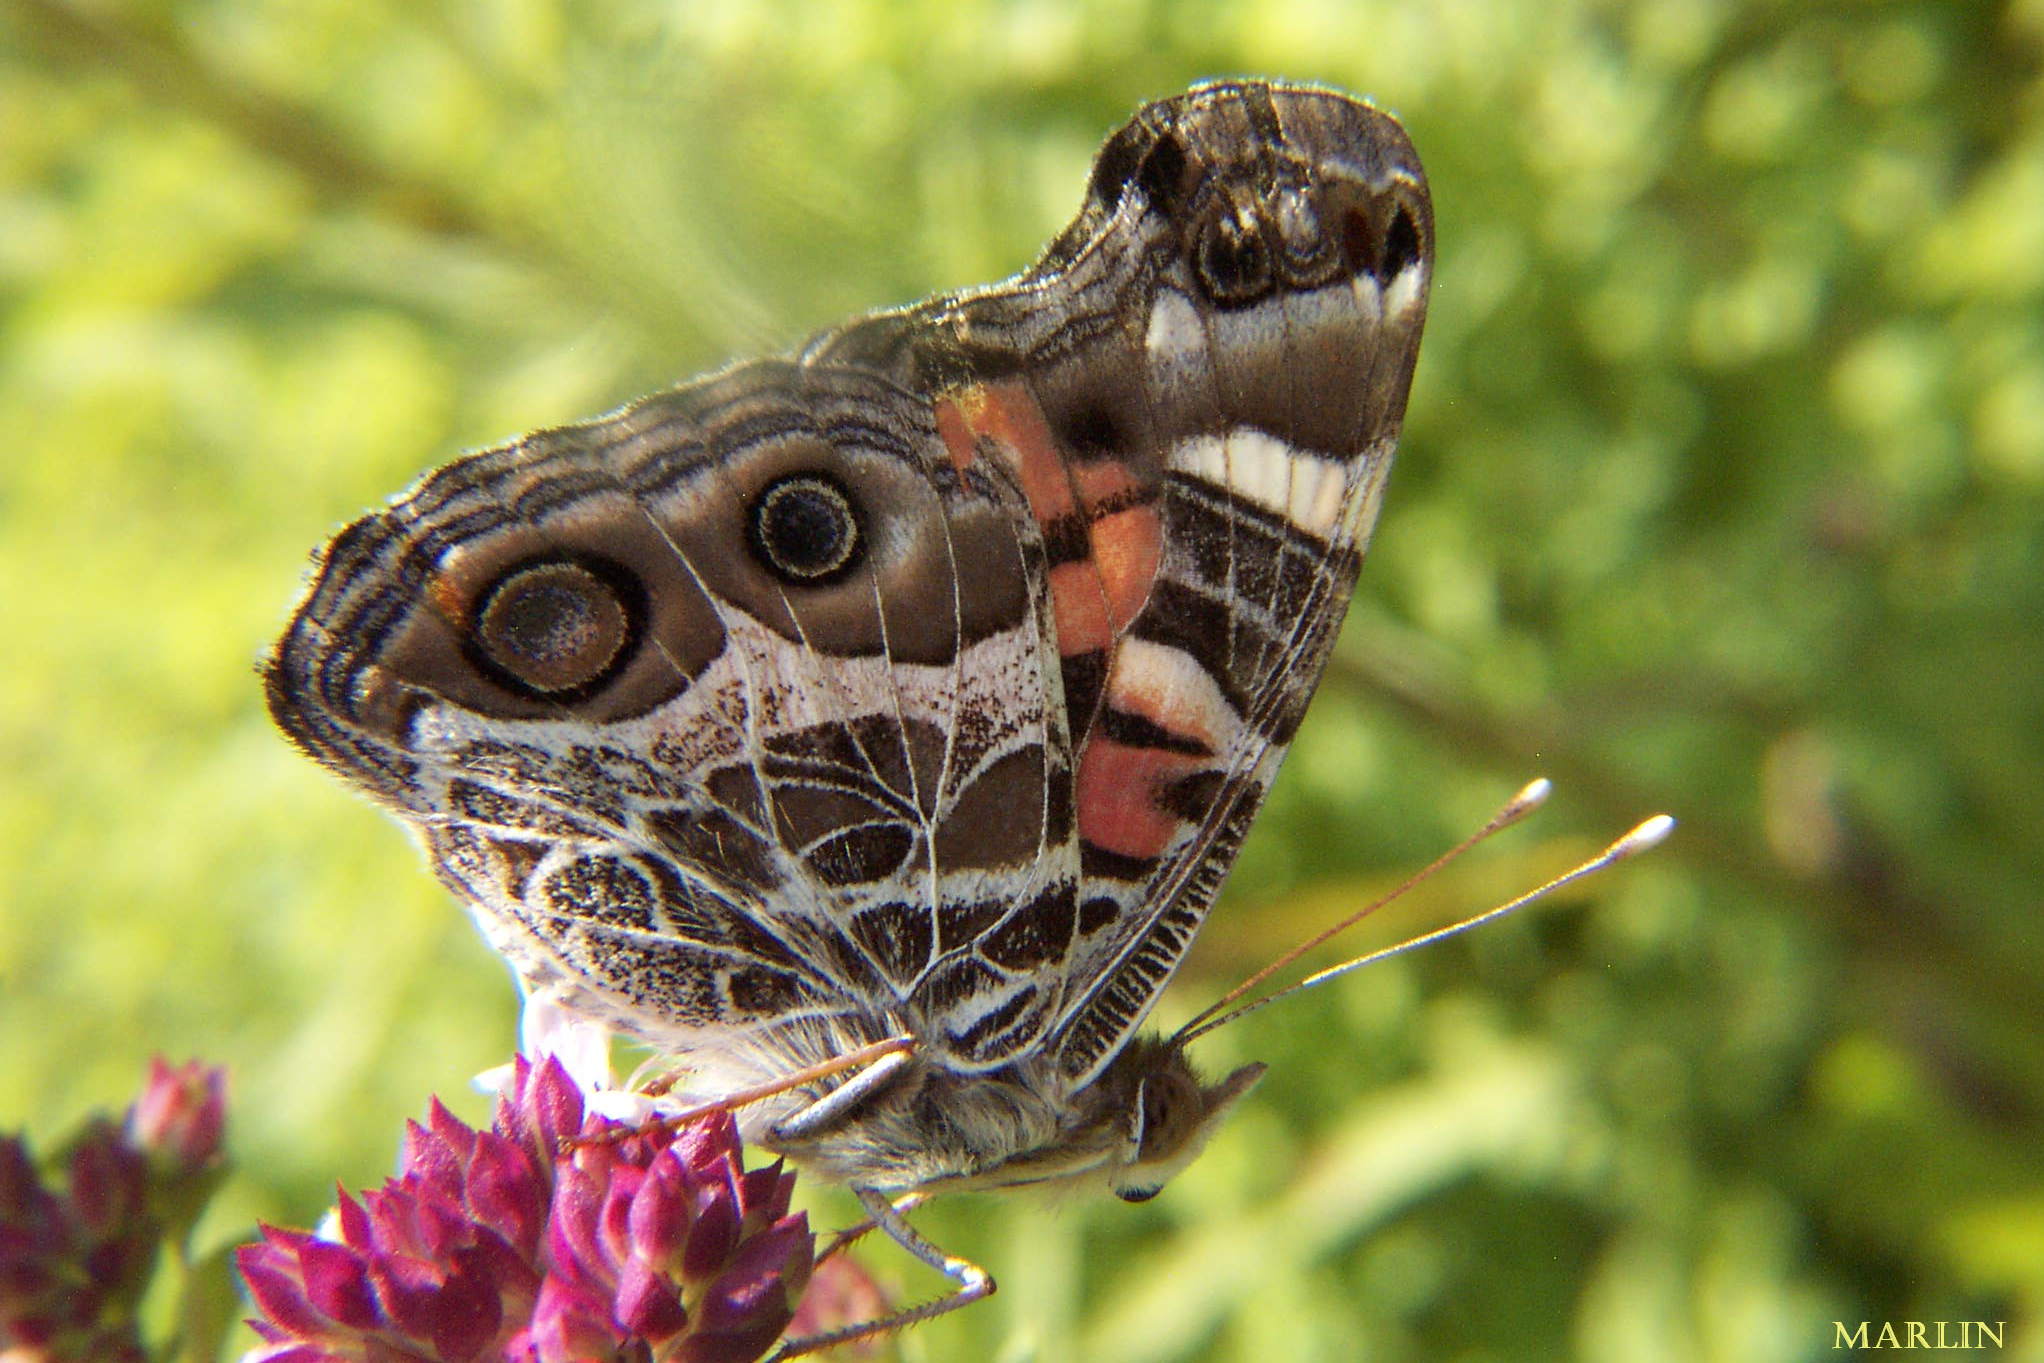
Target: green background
[[1720, 494]]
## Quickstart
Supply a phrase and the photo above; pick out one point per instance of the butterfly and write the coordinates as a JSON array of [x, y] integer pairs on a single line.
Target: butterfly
[[888, 715]]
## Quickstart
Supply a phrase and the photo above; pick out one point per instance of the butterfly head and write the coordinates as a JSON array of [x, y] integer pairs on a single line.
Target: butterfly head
[[1169, 1115], [1146, 1117]]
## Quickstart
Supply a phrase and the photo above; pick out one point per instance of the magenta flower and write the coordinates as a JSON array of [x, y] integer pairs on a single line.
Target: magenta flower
[[512, 1244], [79, 1246]]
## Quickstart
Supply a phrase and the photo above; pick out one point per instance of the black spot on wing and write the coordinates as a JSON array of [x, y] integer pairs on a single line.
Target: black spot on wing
[[1097, 863], [1097, 913], [864, 855], [1035, 934], [1139, 731]]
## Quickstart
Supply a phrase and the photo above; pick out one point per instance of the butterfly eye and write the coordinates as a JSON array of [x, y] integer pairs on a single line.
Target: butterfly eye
[[1231, 258], [557, 626], [1167, 1105], [805, 530], [1159, 1125]]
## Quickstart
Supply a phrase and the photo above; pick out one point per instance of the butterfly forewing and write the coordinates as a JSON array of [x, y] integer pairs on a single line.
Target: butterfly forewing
[[1198, 390]]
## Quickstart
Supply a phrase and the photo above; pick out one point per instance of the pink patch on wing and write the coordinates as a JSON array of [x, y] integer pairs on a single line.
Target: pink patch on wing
[[1117, 796]]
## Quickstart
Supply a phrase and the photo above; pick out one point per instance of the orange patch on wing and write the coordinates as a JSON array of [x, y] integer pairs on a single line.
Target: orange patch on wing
[[451, 596], [1097, 597], [1102, 481], [956, 430], [1127, 548], [1117, 790], [1080, 607], [1006, 414]]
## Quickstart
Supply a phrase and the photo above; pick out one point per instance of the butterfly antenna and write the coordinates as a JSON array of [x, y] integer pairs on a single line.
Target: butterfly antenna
[[1642, 838], [1530, 798]]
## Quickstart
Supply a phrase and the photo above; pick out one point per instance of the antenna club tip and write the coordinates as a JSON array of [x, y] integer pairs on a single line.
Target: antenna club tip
[[1530, 797], [1647, 836]]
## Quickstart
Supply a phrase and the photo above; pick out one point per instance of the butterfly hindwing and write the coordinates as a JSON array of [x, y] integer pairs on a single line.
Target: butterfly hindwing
[[924, 682]]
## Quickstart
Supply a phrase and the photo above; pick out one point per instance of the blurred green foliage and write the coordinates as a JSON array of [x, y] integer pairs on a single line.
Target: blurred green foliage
[[1721, 493]]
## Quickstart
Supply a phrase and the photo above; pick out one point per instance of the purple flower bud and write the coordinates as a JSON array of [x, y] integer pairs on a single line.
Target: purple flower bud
[[718, 1224], [276, 1281], [109, 1180], [574, 1251], [542, 1109], [659, 1215], [764, 1194], [181, 1114], [765, 1277], [506, 1190], [647, 1303], [337, 1284], [568, 1327], [431, 1155]]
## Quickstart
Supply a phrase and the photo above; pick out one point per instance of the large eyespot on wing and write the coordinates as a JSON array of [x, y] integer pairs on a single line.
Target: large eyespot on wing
[[558, 628], [818, 513], [518, 583], [805, 529]]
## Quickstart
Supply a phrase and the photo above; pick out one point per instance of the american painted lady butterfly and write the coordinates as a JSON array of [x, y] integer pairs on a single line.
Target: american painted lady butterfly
[[922, 685]]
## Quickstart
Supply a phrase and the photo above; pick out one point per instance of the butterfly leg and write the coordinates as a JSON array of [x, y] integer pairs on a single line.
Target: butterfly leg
[[850, 1236], [973, 1281], [826, 1110]]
